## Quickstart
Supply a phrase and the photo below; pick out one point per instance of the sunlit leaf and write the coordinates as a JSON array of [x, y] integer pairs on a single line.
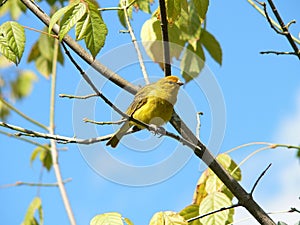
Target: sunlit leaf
[[81, 27], [44, 156], [128, 221], [151, 38], [111, 218], [29, 219], [214, 202], [71, 17], [167, 218], [200, 192], [189, 212], [42, 54], [226, 161], [23, 84], [12, 41], [96, 30], [60, 13]]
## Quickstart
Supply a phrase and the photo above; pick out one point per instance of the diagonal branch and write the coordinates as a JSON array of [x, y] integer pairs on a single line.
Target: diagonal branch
[[201, 151]]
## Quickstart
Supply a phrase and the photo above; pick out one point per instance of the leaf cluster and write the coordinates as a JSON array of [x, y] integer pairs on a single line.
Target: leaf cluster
[[186, 29]]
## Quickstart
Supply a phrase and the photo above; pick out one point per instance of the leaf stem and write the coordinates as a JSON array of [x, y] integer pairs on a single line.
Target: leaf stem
[[133, 38]]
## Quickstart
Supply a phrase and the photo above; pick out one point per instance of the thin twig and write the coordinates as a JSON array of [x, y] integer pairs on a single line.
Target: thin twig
[[199, 114], [259, 178], [135, 44], [53, 148], [24, 139], [21, 183], [77, 97], [264, 5], [204, 154], [213, 212], [165, 37], [278, 53], [261, 11], [284, 27], [86, 120], [10, 106]]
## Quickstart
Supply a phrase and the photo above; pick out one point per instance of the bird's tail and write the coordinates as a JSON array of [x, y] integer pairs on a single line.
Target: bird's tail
[[114, 140]]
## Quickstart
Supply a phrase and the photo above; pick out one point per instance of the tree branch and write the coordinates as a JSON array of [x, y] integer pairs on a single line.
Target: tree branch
[[165, 37], [284, 27], [21, 183], [53, 147], [133, 39], [10, 106], [201, 151]]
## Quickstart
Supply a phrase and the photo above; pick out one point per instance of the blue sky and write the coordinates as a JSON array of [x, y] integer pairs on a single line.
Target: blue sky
[[262, 99]]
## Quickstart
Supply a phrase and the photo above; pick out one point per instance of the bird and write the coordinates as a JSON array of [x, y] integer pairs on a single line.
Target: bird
[[152, 104]]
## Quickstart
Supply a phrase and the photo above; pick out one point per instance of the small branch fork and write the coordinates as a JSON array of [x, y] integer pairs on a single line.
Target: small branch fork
[[234, 205], [284, 27]]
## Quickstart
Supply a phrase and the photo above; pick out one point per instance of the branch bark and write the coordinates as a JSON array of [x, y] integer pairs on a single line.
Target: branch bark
[[201, 151]]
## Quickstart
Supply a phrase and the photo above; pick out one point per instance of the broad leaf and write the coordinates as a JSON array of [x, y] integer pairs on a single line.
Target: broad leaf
[[151, 37], [111, 218], [22, 86], [29, 219], [212, 46], [42, 54], [12, 41], [189, 212], [81, 27], [167, 218], [44, 156], [226, 161], [60, 13], [96, 30], [214, 202], [192, 62], [71, 17], [4, 111]]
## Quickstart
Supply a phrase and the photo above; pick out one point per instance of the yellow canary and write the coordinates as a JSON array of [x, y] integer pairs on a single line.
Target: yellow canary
[[152, 104]]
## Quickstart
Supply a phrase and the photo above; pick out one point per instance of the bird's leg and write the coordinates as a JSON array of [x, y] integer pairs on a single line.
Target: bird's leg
[[157, 130]]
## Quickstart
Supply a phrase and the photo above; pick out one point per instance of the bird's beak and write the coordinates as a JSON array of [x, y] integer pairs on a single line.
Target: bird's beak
[[180, 83]]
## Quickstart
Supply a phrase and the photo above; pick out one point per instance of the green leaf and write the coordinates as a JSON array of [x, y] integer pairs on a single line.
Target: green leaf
[[96, 30], [189, 23], [192, 62], [4, 111], [143, 5], [212, 46], [128, 221], [46, 159], [189, 212], [167, 218], [281, 223], [151, 39], [173, 8], [111, 218], [42, 54], [200, 192], [121, 14], [22, 86], [12, 41], [71, 17], [45, 156], [214, 202], [60, 13], [81, 27], [228, 164], [201, 7], [29, 219]]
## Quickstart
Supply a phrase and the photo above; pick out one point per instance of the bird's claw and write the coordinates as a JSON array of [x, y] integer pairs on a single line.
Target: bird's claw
[[157, 130]]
